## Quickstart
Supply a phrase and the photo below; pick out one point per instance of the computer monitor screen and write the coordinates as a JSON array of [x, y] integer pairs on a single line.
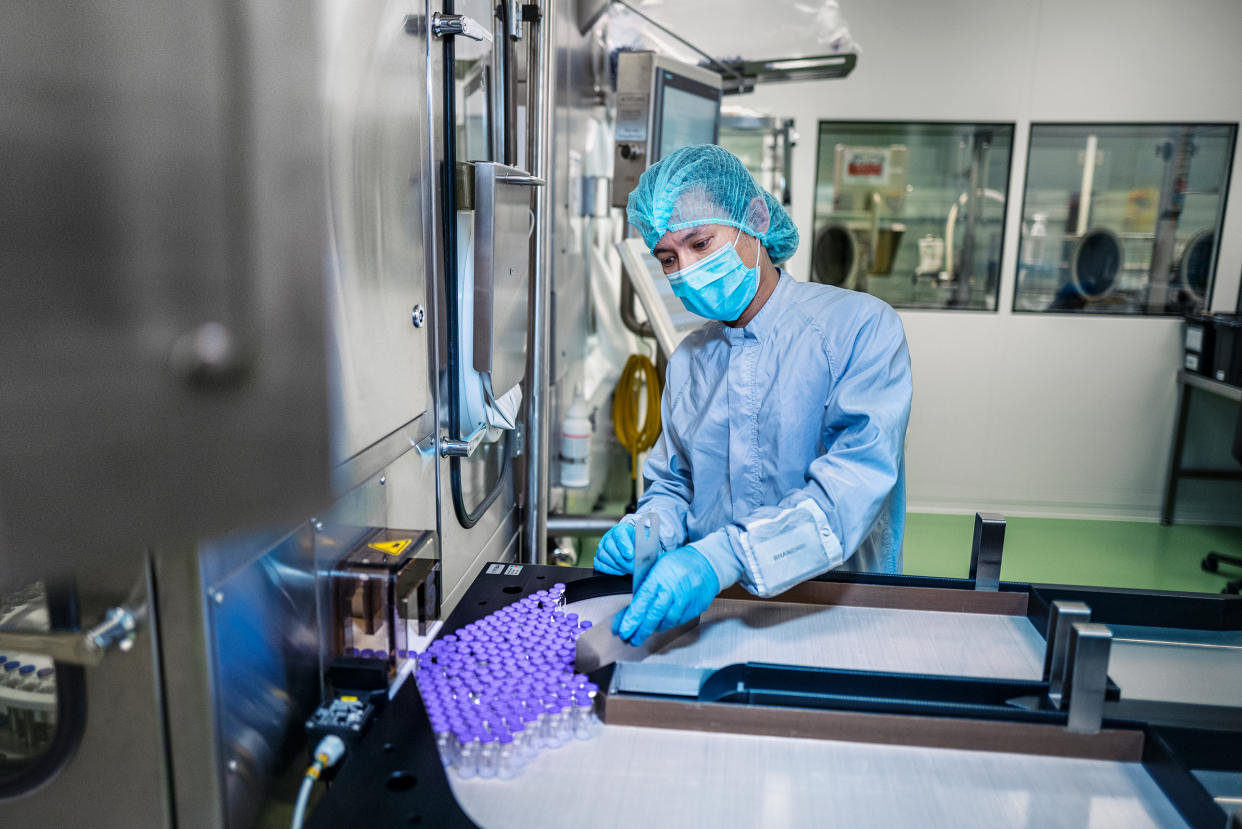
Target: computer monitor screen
[[689, 113]]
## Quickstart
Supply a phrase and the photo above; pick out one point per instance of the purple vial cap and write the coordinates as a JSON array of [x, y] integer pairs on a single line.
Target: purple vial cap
[[559, 586], [45, 672], [367, 653], [381, 654], [505, 738], [351, 651]]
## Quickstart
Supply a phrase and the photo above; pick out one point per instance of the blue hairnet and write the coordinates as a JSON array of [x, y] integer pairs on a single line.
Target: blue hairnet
[[707, 184]]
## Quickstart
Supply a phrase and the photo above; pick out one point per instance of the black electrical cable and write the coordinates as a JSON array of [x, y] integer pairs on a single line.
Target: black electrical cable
[[448, 186]]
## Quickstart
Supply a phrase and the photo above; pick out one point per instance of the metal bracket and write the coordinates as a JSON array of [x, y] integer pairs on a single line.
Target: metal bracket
[[646, 547], [1087, 663], [985, 553], [1061, 616], [119, 627]]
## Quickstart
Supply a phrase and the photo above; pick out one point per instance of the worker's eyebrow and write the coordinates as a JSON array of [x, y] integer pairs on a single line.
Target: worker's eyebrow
[[687, 237]]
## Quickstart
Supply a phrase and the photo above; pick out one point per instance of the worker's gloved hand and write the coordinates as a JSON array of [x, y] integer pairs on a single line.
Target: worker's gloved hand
[[615, 553], [679, 587]]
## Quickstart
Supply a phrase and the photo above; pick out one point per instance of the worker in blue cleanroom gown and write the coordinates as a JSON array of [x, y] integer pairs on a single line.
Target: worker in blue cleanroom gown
[[784, 418]]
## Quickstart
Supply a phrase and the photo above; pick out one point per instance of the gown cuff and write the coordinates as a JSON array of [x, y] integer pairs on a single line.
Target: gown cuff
[[718, 550]]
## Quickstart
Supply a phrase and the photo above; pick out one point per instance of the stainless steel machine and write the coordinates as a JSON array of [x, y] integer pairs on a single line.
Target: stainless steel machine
[[278, 357]]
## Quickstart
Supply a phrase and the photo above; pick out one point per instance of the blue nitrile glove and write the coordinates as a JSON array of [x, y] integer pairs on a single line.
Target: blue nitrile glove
[[615, 553], [679, 587]]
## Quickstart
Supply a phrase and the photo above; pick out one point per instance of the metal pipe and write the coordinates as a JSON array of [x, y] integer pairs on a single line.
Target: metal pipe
[[542, 68], [978, 180], [1088, 182], [508, 94], [642, 328], [581, 524], [497, 92], [1176, 155]]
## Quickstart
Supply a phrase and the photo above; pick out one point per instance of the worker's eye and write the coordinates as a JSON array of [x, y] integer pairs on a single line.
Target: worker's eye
[[701, 244]]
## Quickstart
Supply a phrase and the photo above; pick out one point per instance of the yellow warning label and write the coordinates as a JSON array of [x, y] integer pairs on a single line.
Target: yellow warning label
[[393, 548]]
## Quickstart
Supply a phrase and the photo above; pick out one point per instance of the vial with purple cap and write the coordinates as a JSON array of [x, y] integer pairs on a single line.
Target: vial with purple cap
[[466, 757]]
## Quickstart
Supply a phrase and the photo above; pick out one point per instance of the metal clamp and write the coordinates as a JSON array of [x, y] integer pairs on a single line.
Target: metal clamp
[[452, 25], [513, 19], [1087, 662], [119, 627], [985, 553]]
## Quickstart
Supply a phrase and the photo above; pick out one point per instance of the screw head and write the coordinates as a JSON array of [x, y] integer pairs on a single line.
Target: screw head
[[418, 317], [218, 597], [234, 766], [383, 479]]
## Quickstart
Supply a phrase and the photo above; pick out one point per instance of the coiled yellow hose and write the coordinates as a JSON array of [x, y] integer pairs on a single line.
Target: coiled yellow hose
[[637, 437]]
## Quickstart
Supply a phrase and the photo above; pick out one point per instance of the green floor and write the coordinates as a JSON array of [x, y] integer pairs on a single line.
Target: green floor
[[1112, 553]]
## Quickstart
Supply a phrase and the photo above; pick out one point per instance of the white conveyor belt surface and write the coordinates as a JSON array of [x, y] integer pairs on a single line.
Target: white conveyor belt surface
[[648, 778]]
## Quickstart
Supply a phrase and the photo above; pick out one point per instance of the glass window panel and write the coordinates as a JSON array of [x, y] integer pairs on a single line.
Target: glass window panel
[[1122, 218], [762, 143], [912, 212], [474, 95]]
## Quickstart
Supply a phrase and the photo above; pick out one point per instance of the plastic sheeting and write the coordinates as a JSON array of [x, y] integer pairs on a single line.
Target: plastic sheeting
[[779, 29]]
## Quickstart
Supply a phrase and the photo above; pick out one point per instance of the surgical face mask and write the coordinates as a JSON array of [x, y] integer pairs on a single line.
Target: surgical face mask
[[719, 286]]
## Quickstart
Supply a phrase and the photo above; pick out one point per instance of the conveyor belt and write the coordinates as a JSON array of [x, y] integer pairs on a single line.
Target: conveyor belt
[[667, 778], [654, 778], [858, 638]]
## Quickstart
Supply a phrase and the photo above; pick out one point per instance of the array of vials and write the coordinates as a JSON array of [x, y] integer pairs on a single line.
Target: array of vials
[[25, 677], [502, 689]]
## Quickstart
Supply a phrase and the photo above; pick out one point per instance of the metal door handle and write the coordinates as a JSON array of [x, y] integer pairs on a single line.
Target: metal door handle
[[463, 448], [530, 181]]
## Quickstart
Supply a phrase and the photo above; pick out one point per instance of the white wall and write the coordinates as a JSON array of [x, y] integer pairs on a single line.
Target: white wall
[[1037, 414]]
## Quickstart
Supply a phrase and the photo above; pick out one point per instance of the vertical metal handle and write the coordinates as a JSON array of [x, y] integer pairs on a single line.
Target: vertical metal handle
[[1061, 617], [1087, 662]]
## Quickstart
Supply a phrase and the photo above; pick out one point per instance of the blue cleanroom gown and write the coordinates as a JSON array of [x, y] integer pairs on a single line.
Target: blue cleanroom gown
[[782, 454]]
